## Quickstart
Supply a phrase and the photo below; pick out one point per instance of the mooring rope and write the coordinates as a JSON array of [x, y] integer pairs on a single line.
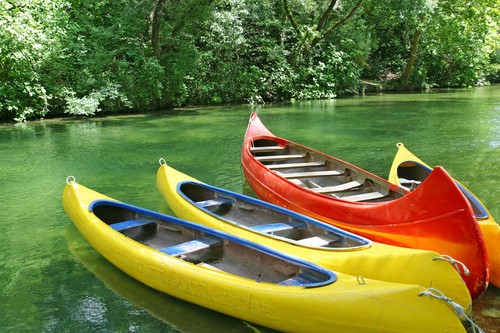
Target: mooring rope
[[459, 310], [454, 262]]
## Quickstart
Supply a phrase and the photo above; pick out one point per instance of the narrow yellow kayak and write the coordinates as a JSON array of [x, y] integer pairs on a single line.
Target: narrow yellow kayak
[[408, 170], [246, 280], [307, 238]]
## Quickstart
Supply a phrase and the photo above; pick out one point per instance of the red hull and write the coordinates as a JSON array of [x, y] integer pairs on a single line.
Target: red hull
[[436, 216]]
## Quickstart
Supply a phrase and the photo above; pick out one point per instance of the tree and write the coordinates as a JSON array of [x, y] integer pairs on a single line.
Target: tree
[[316, 20], [429, 42], [29, 38], [455, 50]]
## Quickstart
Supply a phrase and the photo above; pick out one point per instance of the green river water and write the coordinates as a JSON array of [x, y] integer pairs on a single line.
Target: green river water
[[51, 280]]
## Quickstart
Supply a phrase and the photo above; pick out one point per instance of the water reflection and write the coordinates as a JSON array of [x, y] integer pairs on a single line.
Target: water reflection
[[91, 309]]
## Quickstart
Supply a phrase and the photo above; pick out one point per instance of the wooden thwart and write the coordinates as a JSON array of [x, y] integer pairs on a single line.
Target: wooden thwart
[[409, 181], [191, 246], [120, 226], [276, 227], [337, 188], [295, 165], [266, 149], [279, 157], [214, 202], [318, 241], [308, 174]]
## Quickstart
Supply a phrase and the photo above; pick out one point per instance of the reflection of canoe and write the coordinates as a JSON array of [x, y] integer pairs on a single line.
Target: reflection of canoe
[[181, 315], [435, 217], [304, 237], [247, 280], [408, 170]]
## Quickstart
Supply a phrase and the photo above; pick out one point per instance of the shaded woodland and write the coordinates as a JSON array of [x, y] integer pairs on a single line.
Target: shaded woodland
[[82, 57]]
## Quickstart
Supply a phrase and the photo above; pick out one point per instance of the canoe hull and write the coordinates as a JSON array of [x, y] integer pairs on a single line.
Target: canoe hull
[[435, 216], [487, 224], [347, 306]]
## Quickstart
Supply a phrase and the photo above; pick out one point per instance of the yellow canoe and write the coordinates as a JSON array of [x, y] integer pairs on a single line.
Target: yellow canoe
[[408, 170], [309, 239], [247, 280]]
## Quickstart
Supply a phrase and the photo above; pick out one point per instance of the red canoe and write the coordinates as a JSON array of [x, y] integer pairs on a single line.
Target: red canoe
[[436, 216]]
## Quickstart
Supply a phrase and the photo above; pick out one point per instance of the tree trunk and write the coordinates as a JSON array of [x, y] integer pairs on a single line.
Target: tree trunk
[[411, 60], [155, 16]]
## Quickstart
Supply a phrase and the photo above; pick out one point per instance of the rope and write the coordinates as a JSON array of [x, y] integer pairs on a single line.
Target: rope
[[459, 310], [455, 263], [162, 161], [70, 179]]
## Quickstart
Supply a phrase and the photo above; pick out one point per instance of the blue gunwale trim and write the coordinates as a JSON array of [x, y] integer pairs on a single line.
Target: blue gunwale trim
[[258, 202], [483, 212], [330, 275]]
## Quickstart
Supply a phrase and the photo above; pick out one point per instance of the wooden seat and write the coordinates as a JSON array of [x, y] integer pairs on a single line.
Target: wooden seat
[[307, 174], [337, 188], [295, 165], [409, 184], [214, 202], [120, 226], [191, 246], [276, 227], [409, 181], [266, 149], [279, 157], [364, 196], [319, 241]]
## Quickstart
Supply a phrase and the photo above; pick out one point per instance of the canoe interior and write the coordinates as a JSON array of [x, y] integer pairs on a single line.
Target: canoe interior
[[321, 173], [411, 174], [206, 248], [263, 218]]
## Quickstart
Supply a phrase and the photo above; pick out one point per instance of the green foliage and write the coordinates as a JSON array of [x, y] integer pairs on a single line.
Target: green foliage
[[456, 44], [453, 52], [89, 105], [28, 38], [82, 57]]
